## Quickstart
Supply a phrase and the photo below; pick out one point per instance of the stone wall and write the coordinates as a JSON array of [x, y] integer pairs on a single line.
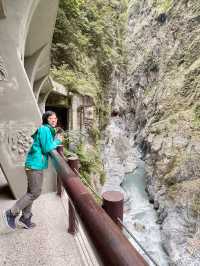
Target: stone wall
[[22, 37]]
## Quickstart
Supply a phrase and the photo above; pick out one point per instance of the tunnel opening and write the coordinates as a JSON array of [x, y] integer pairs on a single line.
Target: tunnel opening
[[59, 104]]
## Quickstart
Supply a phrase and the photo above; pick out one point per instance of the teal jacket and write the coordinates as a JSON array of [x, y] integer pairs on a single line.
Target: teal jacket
[[43, 143]]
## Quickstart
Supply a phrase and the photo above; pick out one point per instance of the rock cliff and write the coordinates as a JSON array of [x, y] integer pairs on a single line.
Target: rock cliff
[[159, 97]]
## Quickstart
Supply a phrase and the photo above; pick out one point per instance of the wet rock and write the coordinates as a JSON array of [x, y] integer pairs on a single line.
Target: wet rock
[[156, 205], [157, 143], [180, 142], [162, 18], [162, 217], [139, 227], [151, 199]]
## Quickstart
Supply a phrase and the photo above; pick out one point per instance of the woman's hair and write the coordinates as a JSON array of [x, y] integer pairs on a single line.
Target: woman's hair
[[46, 115]]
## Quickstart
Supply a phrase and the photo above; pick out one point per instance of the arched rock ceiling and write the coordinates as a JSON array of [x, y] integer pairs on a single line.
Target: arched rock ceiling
[[40, 34]]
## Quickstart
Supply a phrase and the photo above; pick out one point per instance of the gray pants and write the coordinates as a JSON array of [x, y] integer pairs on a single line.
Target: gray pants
[[24, 204]]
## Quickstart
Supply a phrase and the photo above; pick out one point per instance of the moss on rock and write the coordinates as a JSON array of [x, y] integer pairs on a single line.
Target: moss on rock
[[163, 6], [87, 47]]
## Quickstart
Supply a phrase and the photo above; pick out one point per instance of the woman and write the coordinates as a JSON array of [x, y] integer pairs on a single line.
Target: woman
[[36, 162]]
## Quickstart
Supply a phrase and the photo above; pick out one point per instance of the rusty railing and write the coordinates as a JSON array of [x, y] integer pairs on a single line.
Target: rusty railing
[[112, 247]]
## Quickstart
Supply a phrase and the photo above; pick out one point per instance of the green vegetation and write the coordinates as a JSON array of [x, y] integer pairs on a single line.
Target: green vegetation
[[197, 112], [173, 121], [88, 155], [196, 117], [163, 5], [87, 47], [196, 205], [83, 84], [186, 194], [90, 163]]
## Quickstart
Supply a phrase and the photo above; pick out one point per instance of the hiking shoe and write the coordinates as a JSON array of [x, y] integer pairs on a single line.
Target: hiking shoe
[[10, 219], [26, 222]]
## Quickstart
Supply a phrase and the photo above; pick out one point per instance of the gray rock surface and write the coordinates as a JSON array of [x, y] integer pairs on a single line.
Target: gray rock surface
[[157, 98]]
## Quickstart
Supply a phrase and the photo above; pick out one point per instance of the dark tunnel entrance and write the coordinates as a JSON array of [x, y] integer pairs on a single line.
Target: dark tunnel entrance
[[59, 104]]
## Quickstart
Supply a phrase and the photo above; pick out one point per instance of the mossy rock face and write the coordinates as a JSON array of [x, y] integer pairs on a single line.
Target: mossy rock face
[[87, 47], [186, 194], [76, 145], [163, 6], [163, 95], [197, 112], [90, 161]]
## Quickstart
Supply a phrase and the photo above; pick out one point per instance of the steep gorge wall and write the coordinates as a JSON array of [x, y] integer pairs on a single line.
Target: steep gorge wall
[[162, 92]]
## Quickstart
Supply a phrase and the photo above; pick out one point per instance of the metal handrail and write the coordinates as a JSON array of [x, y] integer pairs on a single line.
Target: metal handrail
[[119, 220], [112, 247]]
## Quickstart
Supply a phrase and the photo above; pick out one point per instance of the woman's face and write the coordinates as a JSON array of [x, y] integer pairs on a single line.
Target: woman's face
[[52, 120]]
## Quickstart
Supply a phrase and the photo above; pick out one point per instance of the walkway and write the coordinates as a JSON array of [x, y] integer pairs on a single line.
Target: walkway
[[48, 244]]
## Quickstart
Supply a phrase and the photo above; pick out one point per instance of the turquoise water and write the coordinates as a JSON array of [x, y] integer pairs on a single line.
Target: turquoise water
[[140, 217]]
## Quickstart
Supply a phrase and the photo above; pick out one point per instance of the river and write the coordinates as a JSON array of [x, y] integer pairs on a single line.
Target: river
[[140, 217], [126, 173]]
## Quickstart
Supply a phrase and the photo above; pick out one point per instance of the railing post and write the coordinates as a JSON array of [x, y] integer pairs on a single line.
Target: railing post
[[112, 247], [59, 186], [113, 202], [72, 227], [74, 165], [60, 150]]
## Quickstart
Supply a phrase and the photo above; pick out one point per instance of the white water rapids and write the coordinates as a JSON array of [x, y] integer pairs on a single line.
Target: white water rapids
[[126, 173]]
